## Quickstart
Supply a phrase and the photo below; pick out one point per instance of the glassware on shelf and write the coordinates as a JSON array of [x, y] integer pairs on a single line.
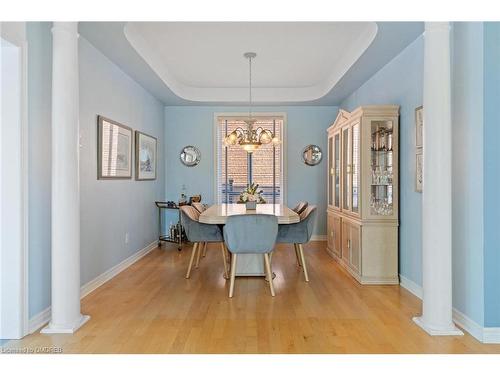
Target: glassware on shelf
[[380, 177], [382, 139], [380, 206]]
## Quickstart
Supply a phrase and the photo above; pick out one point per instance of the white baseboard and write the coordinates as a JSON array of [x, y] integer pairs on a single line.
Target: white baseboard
[[487, 335], [113, 271], [410, 286], [318, 237], [39, 320], [466, 323], [491, 335], [43, 317]]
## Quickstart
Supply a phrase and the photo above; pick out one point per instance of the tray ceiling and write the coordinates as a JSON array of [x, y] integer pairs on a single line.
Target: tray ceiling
[[204, 62]]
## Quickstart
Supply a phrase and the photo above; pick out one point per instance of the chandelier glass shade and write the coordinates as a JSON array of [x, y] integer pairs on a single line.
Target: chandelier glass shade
[[250, 139]]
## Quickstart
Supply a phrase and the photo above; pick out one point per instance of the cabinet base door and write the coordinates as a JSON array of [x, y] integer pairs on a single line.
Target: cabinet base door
[[337, 236]]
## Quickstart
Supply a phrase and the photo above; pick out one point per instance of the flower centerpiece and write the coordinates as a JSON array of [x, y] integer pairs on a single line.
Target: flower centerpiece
[[250, 196]]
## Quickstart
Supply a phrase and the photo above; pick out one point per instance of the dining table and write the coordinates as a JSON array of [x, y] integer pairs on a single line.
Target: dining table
[[248, 264]]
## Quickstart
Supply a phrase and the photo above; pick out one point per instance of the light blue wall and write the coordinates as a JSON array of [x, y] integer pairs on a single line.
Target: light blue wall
[[492, 174], [195, 126], [109, 209], [467, 210], [39, 162], [400, 82]]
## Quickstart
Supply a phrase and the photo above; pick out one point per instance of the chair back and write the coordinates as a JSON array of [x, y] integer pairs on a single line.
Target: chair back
[[251, 234], [198, 206], [189, 220], [308, 217], [300, 207]]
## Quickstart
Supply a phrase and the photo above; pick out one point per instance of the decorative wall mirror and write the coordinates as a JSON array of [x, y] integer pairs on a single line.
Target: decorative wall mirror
[[190, 156], [312, 155]]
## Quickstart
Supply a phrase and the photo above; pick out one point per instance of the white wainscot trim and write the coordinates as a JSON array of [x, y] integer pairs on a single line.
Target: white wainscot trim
[[487, 335], [43, 317]]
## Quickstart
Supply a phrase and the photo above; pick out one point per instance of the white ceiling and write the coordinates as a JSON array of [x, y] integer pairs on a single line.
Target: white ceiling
[[296, 62]]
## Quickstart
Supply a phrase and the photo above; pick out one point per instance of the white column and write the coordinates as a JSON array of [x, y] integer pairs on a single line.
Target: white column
[[66, 316], [436, 316]]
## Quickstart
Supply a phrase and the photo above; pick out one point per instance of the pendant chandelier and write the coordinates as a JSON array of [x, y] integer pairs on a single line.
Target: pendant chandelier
[[250, 139]]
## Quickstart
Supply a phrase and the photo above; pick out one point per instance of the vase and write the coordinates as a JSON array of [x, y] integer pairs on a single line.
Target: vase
[[251, 205]]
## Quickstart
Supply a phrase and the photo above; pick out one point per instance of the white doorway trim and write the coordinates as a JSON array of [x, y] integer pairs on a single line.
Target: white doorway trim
[[14, 319]]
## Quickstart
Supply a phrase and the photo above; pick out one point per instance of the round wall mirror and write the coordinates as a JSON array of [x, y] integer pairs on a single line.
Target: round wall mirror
[[190, 156], [312, 155]]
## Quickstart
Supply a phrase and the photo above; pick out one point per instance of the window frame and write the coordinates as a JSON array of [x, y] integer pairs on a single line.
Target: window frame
[[244, 115]]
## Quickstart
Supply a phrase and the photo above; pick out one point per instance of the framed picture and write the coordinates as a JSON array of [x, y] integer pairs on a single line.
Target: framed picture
[[145, 156], [114, 149], [419, 126], [419, 171]]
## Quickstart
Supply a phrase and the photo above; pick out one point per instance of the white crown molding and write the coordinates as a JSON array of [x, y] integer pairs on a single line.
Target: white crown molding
[[43, 317], [487, 335]]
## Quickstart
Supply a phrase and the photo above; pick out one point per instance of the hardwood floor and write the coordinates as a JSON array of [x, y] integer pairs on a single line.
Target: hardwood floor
[[152, 308]]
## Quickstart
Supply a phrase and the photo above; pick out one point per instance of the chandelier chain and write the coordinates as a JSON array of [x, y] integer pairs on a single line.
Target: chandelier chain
[[250, 88]]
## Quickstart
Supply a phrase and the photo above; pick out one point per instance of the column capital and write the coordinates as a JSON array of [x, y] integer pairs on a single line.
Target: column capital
[[69, 28], [437, 26]]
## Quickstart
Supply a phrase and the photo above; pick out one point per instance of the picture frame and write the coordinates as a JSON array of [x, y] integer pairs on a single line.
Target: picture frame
[[419, 171], [114, 149], [146, 159], [419, 126]]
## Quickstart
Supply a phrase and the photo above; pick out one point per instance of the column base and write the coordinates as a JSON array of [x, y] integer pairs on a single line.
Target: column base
[[53, 329], [437, 331]]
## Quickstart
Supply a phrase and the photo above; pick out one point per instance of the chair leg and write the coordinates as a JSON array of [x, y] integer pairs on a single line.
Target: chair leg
[[224, 259], [226, 251], [233, 275], [302, 259], [195, 247], [297, 254], [204, 250], [267, 261], [198, 254]]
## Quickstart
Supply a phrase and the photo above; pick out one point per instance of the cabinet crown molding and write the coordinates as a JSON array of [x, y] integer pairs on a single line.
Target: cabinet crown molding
[[345, 116]]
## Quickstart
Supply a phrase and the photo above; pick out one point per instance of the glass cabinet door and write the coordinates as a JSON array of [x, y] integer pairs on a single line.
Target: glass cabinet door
[[381, 187], [331, 171], [336, 169], [355, 168], [346, 168]]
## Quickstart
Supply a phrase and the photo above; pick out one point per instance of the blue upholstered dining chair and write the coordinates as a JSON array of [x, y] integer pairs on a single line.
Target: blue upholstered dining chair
[[299, 234], [199, 233], [200, 207], [251, 234], [300, 207]]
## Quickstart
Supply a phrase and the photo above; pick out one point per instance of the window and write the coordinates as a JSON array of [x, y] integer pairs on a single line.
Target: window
[[236, 168]]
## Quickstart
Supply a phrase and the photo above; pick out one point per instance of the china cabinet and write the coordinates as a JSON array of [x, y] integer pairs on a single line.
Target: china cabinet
[[362, 215]]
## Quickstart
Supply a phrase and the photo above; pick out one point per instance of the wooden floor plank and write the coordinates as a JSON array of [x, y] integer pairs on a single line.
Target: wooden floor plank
[[152, 308]]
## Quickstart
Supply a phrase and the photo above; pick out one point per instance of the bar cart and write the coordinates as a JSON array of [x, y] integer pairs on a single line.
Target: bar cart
[[175, 234]]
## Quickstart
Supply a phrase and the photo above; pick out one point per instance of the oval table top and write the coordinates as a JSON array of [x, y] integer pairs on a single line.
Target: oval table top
[[218, 213]]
